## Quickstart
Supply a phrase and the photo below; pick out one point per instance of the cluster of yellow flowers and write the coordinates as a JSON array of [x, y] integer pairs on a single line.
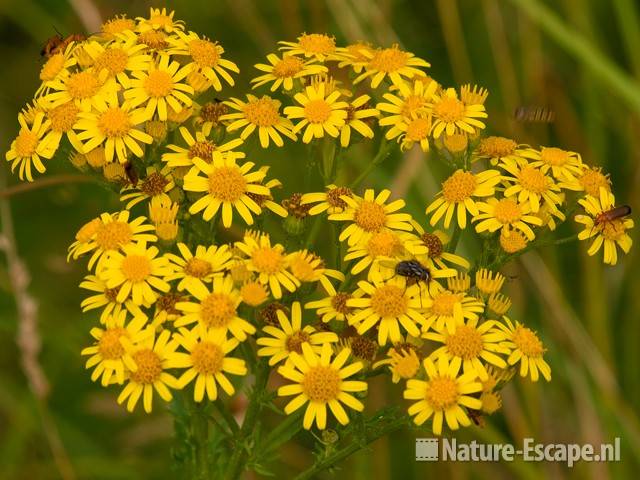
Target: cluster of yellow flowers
[[180, 310]]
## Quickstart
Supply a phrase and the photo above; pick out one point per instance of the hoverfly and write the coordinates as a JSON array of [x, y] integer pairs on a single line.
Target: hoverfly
[[531, 114], [57, 43]]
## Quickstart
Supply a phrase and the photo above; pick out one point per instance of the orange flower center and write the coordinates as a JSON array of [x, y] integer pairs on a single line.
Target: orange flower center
[[158, 84], [442, 393], [207, 358], [217, 310], [227, 184], [204, 53], [287, 67], [136, 268], [465, 343], [109, 345], [370, 216], [114, 122], [527, 342], [459, 186], [389, 301], [317, 111], [389, 60], [262, 112], [149, 367], [82, 85], [321, 384]]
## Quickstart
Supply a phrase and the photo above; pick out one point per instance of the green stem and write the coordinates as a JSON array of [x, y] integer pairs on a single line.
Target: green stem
[[283, 432], [353, 447], [226, 416], [455, 238], [576, 44], [238, 458], [200, 435], [383, 153], [500, 261], [313, 232]]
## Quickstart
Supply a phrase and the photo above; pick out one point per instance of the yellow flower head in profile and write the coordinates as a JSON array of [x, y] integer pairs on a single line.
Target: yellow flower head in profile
[[138, 272], [269, 262], [309, 267], [457, 196], [56, 68], [437, 258], [262, 114], [403, 362], [371, 214], [199, 146], [206, 361], [105, 298], [500, 150], [109, 233], [159, 88], [451, 114], [357, 114], [321, 382], [356, 55], [532, 185], [160, 19], [443, 395], [526, 349], [206, 58], [116, 25], [389, 305], [563, 165], [86, 89], [289, 336], [118, 58], [319, 112], [333, 307], [413, 100], [157, 183], [226, 186], [215, 309], [108, 357], [471, 345], [592, 179], [113, 126], [506, 214], [448, 309], [62, 119], [609, 232], [317, 46], [391, 63], [488, 282], [152, 358], [283, 71], [199, 267], [329, 201], [30, 146]]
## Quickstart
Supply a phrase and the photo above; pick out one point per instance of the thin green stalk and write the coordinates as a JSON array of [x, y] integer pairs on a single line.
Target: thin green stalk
[[342, 453], [455, 238], [383, 153], [238, 458], [200, 436], [283, 432], [576, 44], [226, 416]]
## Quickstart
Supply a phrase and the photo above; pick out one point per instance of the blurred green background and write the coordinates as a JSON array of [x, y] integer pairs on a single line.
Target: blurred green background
[[578, 56]]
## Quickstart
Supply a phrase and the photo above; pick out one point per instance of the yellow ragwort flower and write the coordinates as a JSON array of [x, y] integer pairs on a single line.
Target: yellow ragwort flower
[[289, 336], [321, 382], [206, 360], [443, 395], [610, 233], [262, 114], [319, 112]]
